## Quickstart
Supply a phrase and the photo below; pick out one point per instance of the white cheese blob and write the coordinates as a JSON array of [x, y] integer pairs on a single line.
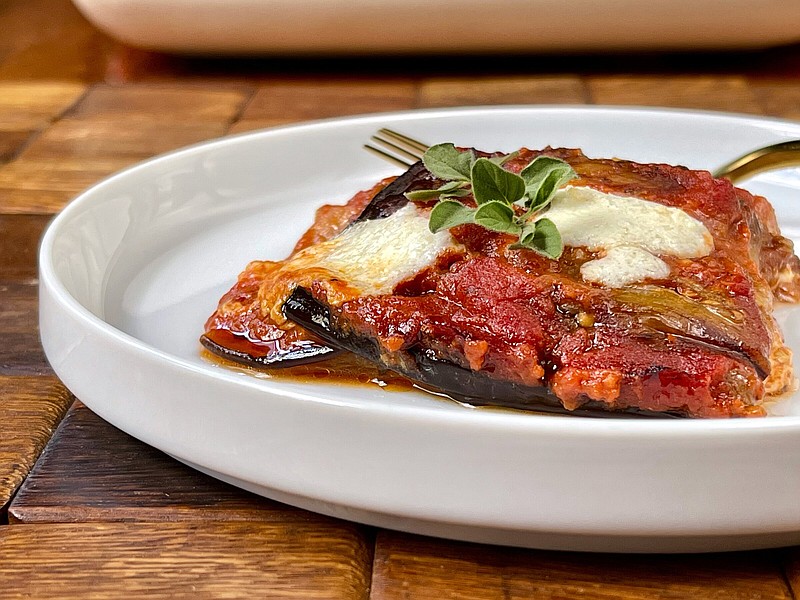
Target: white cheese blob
[[367, 258], [632, 232], [623, 265], [596, 220], [374, 256]]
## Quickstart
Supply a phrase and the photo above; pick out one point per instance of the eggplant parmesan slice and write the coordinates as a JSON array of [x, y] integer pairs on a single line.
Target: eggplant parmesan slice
[[660, 303]]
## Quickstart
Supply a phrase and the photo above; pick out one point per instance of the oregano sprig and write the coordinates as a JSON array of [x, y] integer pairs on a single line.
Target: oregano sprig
[[506, 202]]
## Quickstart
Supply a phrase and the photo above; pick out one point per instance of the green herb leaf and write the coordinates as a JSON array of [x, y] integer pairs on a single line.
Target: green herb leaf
[[497, 216], [541, 236], [455, 194], [449, 213], [448, 163], [503, 158], [543, 176], [492, 182], [451, 188]]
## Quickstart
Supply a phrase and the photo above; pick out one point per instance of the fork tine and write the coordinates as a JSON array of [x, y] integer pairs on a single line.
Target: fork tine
[[396, 147], [404, 139], [414, 156], [401, 162]]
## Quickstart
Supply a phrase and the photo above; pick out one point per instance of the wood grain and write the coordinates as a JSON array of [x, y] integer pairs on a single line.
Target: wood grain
[[110, 129], [92, 471], [726, 93], [289, 101], [116, 140], [11, 142], [31, 22], [251, 125], [84, 59], [30, 409], [182, 560], [778, 98], [462, 91], [50, 40], [792, 569], [44, 185], [176, 104], [20, 350], [409, 567], [19, 242], [31, 106]]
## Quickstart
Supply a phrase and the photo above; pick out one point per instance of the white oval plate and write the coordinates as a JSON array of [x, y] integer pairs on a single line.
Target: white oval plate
[[132, 268]]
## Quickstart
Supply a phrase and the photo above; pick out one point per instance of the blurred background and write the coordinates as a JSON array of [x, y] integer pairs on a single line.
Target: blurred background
[[236, 67]]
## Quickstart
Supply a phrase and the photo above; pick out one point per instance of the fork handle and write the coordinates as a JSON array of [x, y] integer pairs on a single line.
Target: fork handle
[[784, 154]]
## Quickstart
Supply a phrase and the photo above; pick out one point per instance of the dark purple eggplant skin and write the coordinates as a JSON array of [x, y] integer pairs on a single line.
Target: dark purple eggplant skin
[[438, 375], [299, 353], [392, 198]]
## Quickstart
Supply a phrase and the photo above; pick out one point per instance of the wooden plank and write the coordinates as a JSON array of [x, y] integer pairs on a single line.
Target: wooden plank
[[92, 471], [112, 128], [19, 242], [792, 570], [62, 47], [11, 142], [183, 560], [74, 154], [251, 125], [50, 39], [473, 91], [30, 409], [726, 93], [289, 101], [280, 103], [173, 103], [85, 58], [778, 98], [124, 139], [28, 22], [44, 185], [33, 105], [20, 350], [45, 201], [425, 568]]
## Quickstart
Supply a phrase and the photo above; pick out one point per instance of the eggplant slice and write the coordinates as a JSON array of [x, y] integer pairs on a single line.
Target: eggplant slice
[[439, 376], [298, 353]]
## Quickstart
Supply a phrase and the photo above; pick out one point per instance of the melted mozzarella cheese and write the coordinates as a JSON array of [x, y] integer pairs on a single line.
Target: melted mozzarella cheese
[[631, 232], [596, 220], [623, 265], [367, 258], [374, 256]]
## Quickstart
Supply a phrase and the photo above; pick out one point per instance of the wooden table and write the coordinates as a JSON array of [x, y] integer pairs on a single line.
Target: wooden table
[[87, 511]]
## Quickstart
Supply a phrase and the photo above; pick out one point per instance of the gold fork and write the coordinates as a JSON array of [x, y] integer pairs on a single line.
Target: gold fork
[[404, 151], [767, 158], [397, 148]]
